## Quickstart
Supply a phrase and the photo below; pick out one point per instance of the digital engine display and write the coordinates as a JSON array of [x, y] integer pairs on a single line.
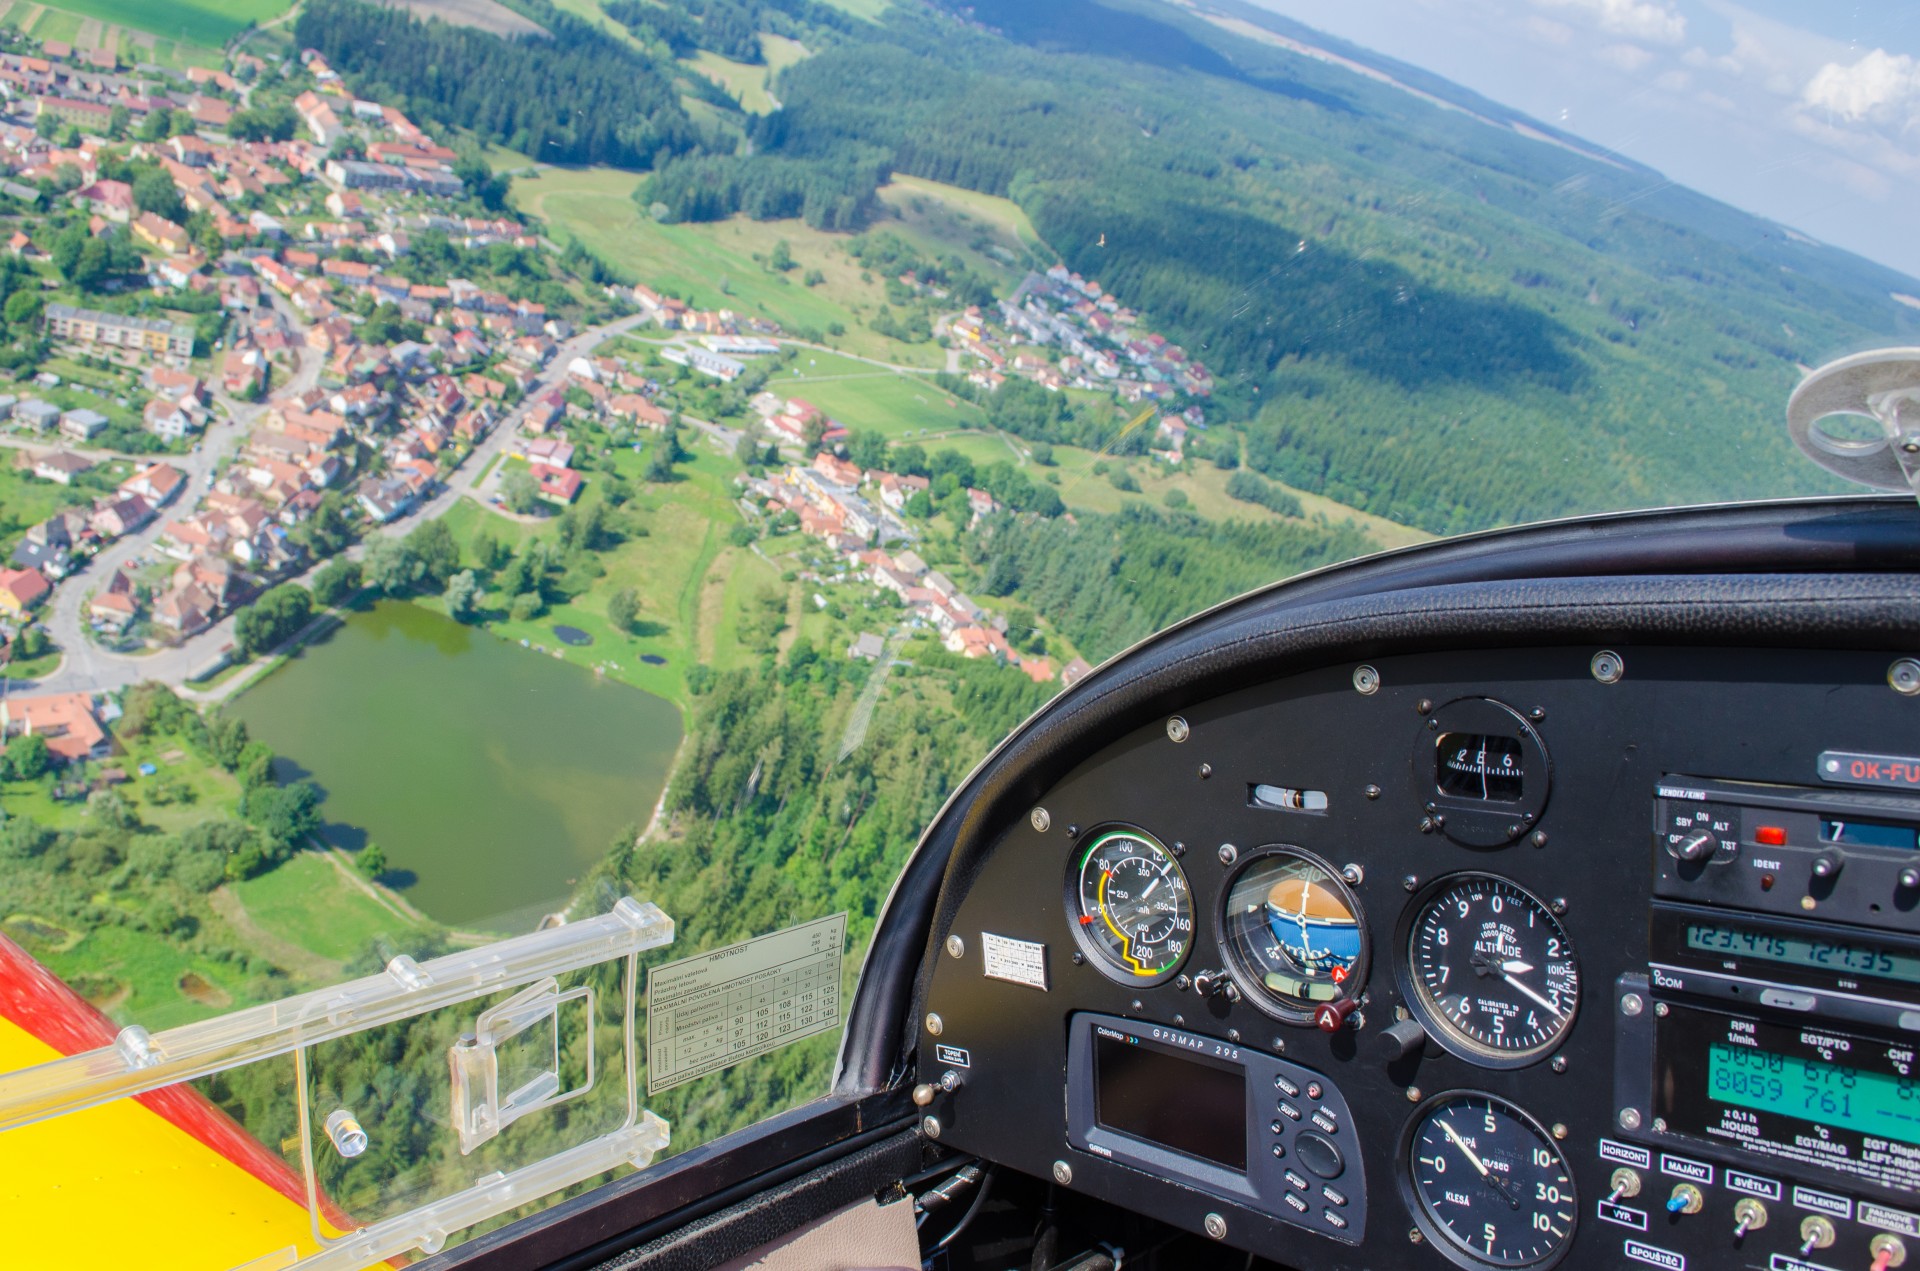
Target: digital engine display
[[1191, 1104], [1832, 1095], [1792, 1094], [1869, 834]]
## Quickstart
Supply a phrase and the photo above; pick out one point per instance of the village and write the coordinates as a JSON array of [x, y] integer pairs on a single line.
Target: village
[[350, 392]]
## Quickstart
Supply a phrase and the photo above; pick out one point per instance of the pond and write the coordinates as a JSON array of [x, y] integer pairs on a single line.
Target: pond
[[492, 776]]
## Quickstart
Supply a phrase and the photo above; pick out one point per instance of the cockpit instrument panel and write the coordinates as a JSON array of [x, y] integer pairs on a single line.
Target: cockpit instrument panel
[[1485, 1009]]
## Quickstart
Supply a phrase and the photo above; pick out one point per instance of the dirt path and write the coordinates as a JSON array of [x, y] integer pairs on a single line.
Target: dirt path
[[280, 951], [392, 901]]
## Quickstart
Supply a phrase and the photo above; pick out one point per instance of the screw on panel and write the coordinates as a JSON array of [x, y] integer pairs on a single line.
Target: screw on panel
[[951, 1081], [1216, 1226], [1424, 706], [1279, 1045], [1177, 729], [1233, 1034], [1607, 666], [1413, 1094], [1229, 853], [1661, 1009], [1079, 959], [1040, 819], [1414, 1236], [1660, 1125], [1559, 1130], [1426, 825], [1073, 831], [1631, 1004], [1904, 676], [1539, 838], [934, 1024], [1063, 1173], [1353, 874], [956, 947], [930, 1126], [1373, 792], [1410, 882], [1135, 1004], [1559, 1063], [1629, 1118], [1366, 679], [1206, 770], [1179, 848], [1559, 906], [1180, 1021], [1537, 714], [1182, 982]]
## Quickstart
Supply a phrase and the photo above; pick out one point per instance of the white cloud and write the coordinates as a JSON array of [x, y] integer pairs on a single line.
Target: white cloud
[[1547, 31], [1651, 20], [1624, 57], [1881, 87]]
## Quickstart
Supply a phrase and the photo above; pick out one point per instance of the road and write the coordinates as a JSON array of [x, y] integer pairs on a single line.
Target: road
[[89, 668]]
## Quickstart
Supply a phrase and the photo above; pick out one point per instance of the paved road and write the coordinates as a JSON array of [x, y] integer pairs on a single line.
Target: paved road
[[88, 667]]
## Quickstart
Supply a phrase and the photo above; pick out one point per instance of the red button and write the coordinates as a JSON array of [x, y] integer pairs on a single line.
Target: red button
[[1770, 836]]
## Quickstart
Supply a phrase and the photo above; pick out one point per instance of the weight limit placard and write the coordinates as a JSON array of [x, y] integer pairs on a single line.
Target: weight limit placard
[[715, 1009]]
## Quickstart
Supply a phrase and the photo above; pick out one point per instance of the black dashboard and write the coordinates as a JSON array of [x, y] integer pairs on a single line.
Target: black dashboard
[[1485, 922]]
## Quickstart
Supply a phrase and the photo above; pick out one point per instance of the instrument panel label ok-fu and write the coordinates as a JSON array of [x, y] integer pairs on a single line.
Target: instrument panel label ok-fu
[[1015, 961], [1889, 772]]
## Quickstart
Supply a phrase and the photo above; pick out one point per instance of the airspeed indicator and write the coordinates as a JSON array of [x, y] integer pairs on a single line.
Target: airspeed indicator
[[1131, 906]]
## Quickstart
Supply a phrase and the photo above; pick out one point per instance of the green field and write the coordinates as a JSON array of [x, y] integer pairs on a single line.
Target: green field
[[25, 500], [712, 266], [672, 568], [748, 83], [307, 902], [990, 234], [208, 24], [861, 395]]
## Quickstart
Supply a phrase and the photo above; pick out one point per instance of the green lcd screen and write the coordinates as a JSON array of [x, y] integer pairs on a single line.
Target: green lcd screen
[[1828, 1094], [1819, 954]]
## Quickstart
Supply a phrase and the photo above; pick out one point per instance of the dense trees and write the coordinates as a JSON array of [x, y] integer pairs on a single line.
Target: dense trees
[[579, 97], [272, 619], [1249, 488]]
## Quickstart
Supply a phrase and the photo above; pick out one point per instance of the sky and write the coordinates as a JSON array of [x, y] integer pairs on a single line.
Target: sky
[[1803, 111]]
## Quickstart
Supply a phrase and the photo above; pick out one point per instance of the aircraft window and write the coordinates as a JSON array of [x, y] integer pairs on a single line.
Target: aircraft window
[[466, 475]]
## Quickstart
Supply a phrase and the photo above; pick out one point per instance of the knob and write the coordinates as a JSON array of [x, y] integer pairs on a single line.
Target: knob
[[1697, 846], [1816, 1232], [922, 1095], [1214, 983], [1332, 1016], [1910, 879], [1752, 1216], [949, 1081], [1888, 1251], [1828, 865], [1686, 1199], [1403, 1039], [1625, 1183]]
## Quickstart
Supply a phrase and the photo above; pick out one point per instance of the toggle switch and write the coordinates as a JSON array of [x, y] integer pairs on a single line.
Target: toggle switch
[[1625, 1183], [1686, 1199], [1816, 1232], [1752, 1216]]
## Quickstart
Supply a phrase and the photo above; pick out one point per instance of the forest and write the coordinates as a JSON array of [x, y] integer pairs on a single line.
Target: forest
[[578, 97], [1412, 312]]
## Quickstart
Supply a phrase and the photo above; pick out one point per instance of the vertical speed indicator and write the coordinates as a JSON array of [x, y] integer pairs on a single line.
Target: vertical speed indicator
[[1489, 1186], [1131, 907]]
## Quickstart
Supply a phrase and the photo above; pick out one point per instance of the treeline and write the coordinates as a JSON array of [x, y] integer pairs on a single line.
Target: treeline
[[1109, 581], [728, 27], [577, 97], [836, 194], [1026, 410], [771, 825]]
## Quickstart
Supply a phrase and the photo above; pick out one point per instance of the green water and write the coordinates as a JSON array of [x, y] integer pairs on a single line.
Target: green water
[[492, 776]]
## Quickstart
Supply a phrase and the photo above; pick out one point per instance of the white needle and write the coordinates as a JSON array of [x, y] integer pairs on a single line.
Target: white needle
[[1530, 993], [1465, 1151], [1150, 886], [1517, 966]]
